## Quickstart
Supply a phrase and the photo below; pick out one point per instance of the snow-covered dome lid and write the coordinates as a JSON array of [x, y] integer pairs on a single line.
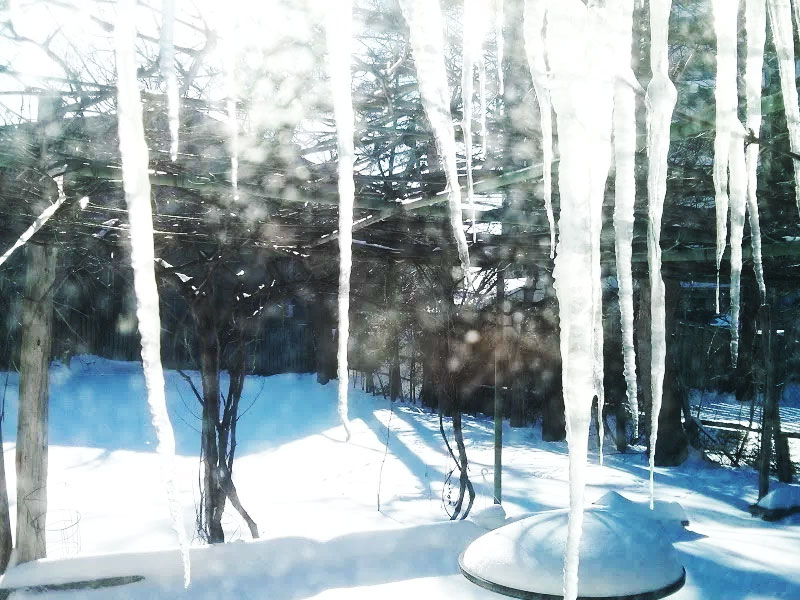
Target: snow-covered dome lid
[[620, 556]]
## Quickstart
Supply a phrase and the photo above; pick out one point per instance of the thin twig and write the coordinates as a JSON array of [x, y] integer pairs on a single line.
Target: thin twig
[[385, 452], [188, 379]]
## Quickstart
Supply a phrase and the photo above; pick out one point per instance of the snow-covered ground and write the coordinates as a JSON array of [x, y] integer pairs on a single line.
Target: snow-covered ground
[[314, 497], [725, 408]]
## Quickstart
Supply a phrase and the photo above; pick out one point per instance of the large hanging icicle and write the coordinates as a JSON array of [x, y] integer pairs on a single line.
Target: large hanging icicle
[[500, 43], [228, 47], [780, 19], [472, 50], [578, 50], [338, 28], [625, 197], [482, 95], [424, 18], [167, 64], [534, 17], [136, 180], [725, 14], [755, 25], [738, 202], [660, 100], [730, 174], [743, 169]]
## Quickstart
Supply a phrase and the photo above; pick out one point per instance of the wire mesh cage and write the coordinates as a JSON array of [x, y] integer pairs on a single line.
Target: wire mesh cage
[[63, 532]]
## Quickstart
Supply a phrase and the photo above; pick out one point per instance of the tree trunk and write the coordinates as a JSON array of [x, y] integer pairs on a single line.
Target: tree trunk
[[31, 456], [765, 460], [743, 375], [427, 391], [614, 382], [395, 382], [783, 459], [517, 401], [464, 484], [233, 496], [643, 353], [554, 424], [5, 519], [213, 498], [324, 326], [369, 387], [227, 433], [498, 388], [672, 447]]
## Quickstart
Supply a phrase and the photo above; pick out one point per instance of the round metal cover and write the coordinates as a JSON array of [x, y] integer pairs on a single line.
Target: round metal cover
[[622, 557]]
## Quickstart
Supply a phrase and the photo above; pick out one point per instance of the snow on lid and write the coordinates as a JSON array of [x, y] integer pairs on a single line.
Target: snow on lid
[[781, 498], [621, 554], [491, 517], [669, 512]]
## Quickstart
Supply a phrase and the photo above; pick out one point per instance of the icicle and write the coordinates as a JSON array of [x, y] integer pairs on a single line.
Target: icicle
[[228, 47], [755, 24], [338, 27], [424, 18], [730, 159], [660, 100], [780, 19], [472, 52], [725, 14], [482, 93], [625, 198], [796, 7], [578, 48], [38, 223], [738, 201], [534, 16], [499, 41], [597, 318], [168, 73], [467, 74], [133, 149]]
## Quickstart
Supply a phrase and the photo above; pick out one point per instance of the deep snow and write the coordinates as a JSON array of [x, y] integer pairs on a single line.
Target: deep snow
[[314, 497]]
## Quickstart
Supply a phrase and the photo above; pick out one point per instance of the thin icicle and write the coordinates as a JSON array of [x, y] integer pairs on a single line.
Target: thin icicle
[[500, 43], [482, 94], [780, 19], [168, 73], [578, 48], [534, 17], [625, 198], [424, 18], [475, 19], [338, 28], [596, 223], [228, 47], [597, 317], [730, 173], [755, 24], [471, 25], [37, 224], [660, 100], [738, 202], [725, 14], [136, 181]]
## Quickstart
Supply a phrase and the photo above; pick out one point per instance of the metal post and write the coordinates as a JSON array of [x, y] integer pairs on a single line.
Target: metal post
[[765, 323], [498, 390]]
